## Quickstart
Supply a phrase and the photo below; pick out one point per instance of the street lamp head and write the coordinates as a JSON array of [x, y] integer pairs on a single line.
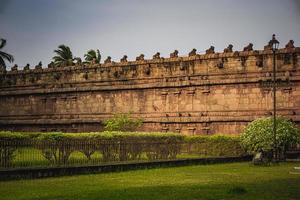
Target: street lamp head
[[274, 43]]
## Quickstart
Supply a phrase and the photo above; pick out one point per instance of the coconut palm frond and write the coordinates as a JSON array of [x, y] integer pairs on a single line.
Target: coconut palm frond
[[63, 57], [98, 56], [2, 43], [2, 63], [91, 55], [3, 55], [7, 56]]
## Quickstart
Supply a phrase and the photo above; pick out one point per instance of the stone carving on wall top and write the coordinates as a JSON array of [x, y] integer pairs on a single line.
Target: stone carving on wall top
[[2, 69], [107, 60], [211, 50], [174, 54], [14, 68], [193, 52], [140, 57], [156, 56], [27, 67], [249, 47], [51, 65], [228, 49], [124, 59], [39, 66], [290, 44]]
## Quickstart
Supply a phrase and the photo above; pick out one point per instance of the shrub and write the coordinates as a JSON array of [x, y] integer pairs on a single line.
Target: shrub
[[122, 122], [57, 147], [215, 145], [8, 146], [258, 136]]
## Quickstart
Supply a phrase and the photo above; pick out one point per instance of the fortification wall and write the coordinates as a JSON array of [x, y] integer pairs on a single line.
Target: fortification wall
[[196, 94]]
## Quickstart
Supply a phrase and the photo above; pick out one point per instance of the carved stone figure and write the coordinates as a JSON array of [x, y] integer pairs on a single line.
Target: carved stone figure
[[39, 66], [2, 68], [228, 49], [140, 57], [14, 68], [156, 56], [124, 59], [78, 61], [268, 46], [174, 54], [249, 47], [220, 64], [210, 50], [51, 65], [27, 67], [193, 52], [287, 75], [290, 44], [108, 60], [93, 62], [147, 70]]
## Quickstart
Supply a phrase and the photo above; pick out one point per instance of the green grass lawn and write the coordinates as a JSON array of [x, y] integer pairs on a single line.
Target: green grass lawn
[[220, 181], [31, 157]]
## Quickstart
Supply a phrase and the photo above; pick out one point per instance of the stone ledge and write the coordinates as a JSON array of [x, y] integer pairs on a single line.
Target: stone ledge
[[152, 85], [181, 120]]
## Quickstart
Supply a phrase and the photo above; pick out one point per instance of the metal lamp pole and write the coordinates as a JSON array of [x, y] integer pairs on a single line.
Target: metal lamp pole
[[275, 45]]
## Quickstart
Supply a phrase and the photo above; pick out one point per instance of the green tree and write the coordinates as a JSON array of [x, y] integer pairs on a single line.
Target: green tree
[[122, 122], [258, 136], [64, 56], [93, 55], [3, 55]]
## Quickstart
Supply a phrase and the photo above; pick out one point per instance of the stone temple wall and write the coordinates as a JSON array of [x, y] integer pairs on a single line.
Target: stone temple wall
[[196, 94]]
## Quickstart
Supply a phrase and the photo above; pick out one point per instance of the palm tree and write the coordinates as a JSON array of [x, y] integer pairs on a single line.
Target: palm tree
[[64, 56], [4, 56], [93, 55]]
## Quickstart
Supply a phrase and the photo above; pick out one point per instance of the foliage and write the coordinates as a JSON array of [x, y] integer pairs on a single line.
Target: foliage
[[4, 56], [57, 147], [93, 55], [215, 145], [7, 150], [122, 122], [64, 56], [259, 137]]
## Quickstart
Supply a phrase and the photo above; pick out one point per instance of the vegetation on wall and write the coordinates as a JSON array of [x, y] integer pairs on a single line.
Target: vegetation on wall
[[122, 122]]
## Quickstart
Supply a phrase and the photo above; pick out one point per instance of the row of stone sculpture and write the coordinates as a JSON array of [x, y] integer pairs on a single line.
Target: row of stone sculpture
[[211, 50], [174, 54]]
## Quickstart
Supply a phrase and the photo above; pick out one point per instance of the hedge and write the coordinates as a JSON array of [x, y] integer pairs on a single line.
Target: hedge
[[57, 147], [215, 145]]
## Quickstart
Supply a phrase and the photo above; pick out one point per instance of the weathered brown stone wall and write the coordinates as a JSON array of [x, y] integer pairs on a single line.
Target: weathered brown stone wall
[[202, 94]]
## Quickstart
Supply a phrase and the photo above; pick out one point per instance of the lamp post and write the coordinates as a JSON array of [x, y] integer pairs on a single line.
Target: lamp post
[[274, 45]]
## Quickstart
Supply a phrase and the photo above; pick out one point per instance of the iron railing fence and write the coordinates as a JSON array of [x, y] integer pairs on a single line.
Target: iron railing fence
[[28, 154]]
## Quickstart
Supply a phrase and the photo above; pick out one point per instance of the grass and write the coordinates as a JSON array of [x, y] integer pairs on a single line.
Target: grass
[[207, 182], [26, 157], [31, 157]]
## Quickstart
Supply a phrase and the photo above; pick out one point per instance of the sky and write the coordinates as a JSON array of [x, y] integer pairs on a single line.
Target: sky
[[34, 28]]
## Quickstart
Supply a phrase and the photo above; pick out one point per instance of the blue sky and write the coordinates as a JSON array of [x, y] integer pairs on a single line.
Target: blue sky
[[34, 28]]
